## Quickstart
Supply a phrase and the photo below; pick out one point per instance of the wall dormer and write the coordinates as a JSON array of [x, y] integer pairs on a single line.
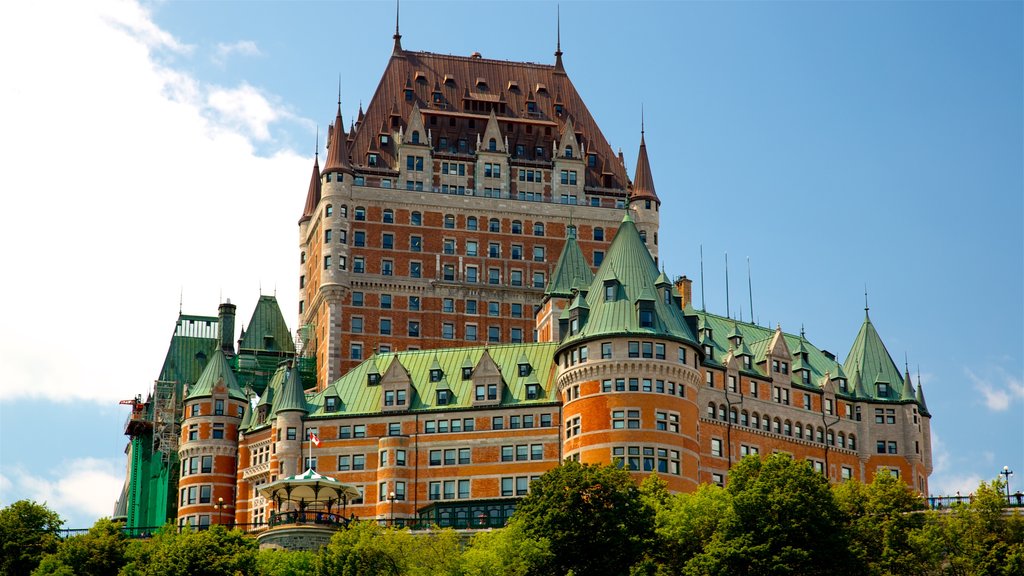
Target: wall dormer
[[488, 384], [396, 388]]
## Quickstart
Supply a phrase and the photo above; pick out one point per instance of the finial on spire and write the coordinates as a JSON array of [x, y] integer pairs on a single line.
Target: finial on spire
[[866, 299], [316, 150], [802, 333], [906, 362], [641, 122], [398, 35], [558, 37], [339, 92]]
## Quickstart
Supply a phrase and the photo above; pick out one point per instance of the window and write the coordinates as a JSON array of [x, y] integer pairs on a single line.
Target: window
[[356, 351], [625, 419], [387, 267], [572, 427], [414, 328], [385, 301], [415, 269], [394, 429], [357, 324], [716, 447], [516, 278], [357, 298], [449, 221], [598, 258], [538, 253], [385, 326], [538, 229], [448, 305], [360, 213], [666, 421], [358, 265], [414, 303], [538, 279]]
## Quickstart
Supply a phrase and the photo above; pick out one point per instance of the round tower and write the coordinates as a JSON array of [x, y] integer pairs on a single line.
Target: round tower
[[208, 450], [628, 370]]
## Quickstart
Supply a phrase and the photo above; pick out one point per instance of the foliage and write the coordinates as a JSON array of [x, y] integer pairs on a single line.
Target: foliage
[[284, 562], [212, 552], [881, 518], [686, 522], [100, 552], [592, 516], [28, 531], [505, 552], [784, 520], [367, 549]]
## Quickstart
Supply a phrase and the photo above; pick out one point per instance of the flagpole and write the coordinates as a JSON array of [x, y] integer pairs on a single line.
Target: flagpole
[[309, 452]]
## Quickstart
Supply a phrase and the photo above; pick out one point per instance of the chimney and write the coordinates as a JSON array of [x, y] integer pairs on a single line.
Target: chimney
[[226, 326], [685, 287]]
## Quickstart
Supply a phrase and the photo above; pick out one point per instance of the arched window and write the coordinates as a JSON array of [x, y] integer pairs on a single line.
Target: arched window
[[821, 435], [733, 415], [767, 423], [568, 151], [721, 412], [711, 410], [755, 420], [799, 430], [517, 227], [787, 428], [744, 418], [492, 145], [853, 442], [415, 136], [842, 440], [471, 223], [494, 225], [538, 228]]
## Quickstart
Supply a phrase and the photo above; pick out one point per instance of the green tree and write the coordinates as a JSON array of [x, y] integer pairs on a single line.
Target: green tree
[[592, 516], [99, 552], [881, 519], [213, 552], [505, 552], [974, 538], [686, 522], [28, 531], [784, 520], [285, 562], [367, 549]]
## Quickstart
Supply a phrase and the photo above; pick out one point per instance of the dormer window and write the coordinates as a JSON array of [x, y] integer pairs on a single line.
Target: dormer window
[[331, 404], [785, 367], [645, 314], [408, 94], [384, 139], [525, 369], [805, 376], [492, 145], [373, 379], [882, 389], [610, 291], [415, 136], [438, 99], [443, 397], [559, 109], [467, 372], [436, 374], [668, 296], [531, 107], [532, 391], [373, 159], [747, 363], [709, 352], [568, 151], [842, 385]]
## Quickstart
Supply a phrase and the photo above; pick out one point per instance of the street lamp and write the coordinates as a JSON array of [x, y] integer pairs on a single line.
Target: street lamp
[[391, 497], [220, 511], [1007, 473]]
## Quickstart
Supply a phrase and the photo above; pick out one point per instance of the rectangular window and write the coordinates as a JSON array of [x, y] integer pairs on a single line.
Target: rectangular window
[[716, 447]]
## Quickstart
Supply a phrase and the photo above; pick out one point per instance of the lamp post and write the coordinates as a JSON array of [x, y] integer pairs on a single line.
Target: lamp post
[[391, 497], [220, 511], [1006, 473]]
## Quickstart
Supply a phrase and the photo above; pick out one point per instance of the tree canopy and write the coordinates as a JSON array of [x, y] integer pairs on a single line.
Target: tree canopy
[[28, 531]]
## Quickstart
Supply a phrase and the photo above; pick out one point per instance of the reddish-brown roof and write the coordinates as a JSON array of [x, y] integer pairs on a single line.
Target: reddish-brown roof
[[313, 196], [445, 86], [643, 181], [337, 149]]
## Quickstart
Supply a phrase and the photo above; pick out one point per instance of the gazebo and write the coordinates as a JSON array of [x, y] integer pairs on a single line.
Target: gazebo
[[309, 508]]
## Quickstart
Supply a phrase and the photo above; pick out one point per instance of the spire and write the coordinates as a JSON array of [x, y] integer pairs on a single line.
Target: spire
[[558, 38], [337, 150], [313, 195], [869, 360], [572, 271], [921, 405], [643, 181], [397, 36], [292, 396]]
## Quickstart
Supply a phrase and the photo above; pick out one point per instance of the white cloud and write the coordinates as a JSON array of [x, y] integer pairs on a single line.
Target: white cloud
[[947, 479], [998, 388], [242, 47], [245, 108], [81, 490], [131, 183]]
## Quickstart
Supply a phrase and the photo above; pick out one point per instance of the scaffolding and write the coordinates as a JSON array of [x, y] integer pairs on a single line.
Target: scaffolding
[[165, 419]]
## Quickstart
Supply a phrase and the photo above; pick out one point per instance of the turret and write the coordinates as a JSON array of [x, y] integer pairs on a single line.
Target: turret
[[643, 200]]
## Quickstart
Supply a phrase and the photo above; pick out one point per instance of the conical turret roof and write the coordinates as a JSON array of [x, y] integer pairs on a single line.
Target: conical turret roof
[[292, 396], [313, 195], [643, 180], [622, 287], [217, 370], [921, 405], [337, 149], [869, 361], [572, 271], [267, 328]]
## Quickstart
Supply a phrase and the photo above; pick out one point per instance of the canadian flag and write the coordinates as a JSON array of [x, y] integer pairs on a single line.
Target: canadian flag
[[314, 438]]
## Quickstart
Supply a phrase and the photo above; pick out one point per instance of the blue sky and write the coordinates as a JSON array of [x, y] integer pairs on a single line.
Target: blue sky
[[838, 145]]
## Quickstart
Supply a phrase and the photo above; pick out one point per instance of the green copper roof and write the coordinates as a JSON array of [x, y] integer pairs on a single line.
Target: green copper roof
[[870, 361], [246, 417], [920, 397], [267, 329], [631, 270], [907, 393], [193, 343], [217, 370], [572, 271], [291, 397], [356, 396]]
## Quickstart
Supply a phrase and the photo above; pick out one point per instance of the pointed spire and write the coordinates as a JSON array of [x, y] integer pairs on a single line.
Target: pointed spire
[[643, 181], [558, 38], [313, 194], [292, 395], [921, 405], [337, 149], [398, 35], [908, 387]]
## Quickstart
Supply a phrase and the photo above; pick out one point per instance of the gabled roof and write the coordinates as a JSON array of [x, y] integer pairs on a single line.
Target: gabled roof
[[459, 79], [356, 397], [870, 361], [572, 272], [631, 268], [313, 195], [267, 329], [217, 372]]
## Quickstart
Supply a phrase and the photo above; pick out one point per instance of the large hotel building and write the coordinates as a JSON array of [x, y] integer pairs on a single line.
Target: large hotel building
[[480, 300]]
